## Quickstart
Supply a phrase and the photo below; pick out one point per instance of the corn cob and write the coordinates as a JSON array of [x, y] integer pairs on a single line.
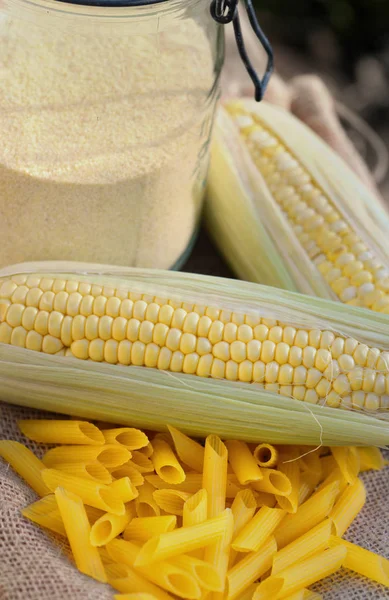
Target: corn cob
[[286, 211], [197, 329]]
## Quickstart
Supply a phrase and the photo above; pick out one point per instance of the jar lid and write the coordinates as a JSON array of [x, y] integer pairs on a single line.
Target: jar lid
[[223, 12]]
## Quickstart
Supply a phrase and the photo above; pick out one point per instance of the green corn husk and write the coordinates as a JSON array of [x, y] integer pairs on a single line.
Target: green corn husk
[[150, 399], [248, 225]]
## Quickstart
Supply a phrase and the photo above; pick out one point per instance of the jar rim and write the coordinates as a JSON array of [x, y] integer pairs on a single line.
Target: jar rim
[[113, 3], [104, 11]]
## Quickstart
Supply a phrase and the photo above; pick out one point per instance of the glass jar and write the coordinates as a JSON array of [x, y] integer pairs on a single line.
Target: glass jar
[[105, 120]]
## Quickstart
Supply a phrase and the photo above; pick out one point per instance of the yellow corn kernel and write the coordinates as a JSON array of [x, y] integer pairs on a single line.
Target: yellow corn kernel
[[164, 359], [124, 352], [18, 336], [166, 314], [173, 339], [111, 351], [191, 323], [230, 332], [34, 341], [215, 333], [188, 343], [41, 324], [112, 308], [14, 314], [191, 362], [78, 327], [146, 332], [126, 309], [105, 327], [60, 302], [46, 301], [99, 306], [74, 303], [119, 329], [177, 362], [133, 327], [178, 319], [55, 323], [205, 365], [138, 353], [139, 310], [204, 326]]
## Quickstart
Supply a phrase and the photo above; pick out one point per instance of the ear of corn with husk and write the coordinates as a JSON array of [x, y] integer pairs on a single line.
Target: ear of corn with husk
[[286, 211], [235, 358]]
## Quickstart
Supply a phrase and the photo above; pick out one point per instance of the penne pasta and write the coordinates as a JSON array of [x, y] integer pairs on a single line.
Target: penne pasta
[[258, 529], [337, 476], [26, 464], [147, 450], [123, 489], [193, 483], [77, 527], [312, 512], [347, 507], [307, 486], [301, 575], [132, 438], [348, 461], [109, 455], [91, 493], [109, 526], [291, 470], [205, 573], [45, 512], [218, 553], [53, 431], [264, 499], [116, 570], [243, 509], [215, 475], [93, 513], [273, 482], [134, 582], [366, 563], [145, 503], [243, 462], [315, 540], [195, 509], [310, 461], [370, 458], [250, 568], [248, 594], [144, 528], [107, 560], [168, 576], [89, 470], [129, 471], [165, 462], [328, 466], [266, 455], [171, 501], [141, 462], [183, 540], [190, 452], [304, 594]]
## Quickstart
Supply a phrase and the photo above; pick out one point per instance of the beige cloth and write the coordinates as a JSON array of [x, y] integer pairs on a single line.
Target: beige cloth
[[34, 564]]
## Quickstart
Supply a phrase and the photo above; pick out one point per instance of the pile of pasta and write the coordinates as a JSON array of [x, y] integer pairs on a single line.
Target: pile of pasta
[[161, 515]]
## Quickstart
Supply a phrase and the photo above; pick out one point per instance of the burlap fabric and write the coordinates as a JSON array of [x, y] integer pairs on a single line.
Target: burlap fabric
[[35, 565]]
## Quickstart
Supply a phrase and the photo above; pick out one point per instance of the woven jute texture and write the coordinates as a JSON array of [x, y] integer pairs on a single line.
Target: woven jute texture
[[35, 565]]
